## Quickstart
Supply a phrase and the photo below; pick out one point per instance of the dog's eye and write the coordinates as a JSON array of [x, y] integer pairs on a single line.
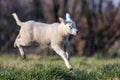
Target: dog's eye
[[70, 27]]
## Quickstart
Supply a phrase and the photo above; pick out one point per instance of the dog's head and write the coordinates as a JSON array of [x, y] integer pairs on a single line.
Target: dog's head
[[69, 25]]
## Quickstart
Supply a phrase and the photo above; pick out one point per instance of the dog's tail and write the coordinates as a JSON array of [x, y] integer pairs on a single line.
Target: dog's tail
[[17, 19]]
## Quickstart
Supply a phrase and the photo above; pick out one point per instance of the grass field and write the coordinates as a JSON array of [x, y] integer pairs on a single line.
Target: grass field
[[53, 68]]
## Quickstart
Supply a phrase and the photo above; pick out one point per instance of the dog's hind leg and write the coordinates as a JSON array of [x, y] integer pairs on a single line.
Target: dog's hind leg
[[22, 52], [15, 43], [18, 44]]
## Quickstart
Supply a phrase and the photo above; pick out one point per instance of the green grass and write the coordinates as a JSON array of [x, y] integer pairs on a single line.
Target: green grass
[[53, 68]]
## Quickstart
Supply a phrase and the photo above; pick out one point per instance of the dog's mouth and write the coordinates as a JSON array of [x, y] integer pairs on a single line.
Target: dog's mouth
[[75, 33]]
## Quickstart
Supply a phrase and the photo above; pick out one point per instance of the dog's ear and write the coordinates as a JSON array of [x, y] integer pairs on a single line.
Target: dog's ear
[[62, 20], [68, 17]]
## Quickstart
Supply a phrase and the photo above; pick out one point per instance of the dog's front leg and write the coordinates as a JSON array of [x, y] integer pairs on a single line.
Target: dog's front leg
[[61, 53], [66, 45], [66, 52]]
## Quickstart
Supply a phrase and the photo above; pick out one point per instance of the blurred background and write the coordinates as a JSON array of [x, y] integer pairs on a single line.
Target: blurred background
[[98, 22]]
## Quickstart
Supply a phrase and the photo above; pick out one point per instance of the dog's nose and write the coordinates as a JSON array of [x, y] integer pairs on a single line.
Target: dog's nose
[[77, 31]]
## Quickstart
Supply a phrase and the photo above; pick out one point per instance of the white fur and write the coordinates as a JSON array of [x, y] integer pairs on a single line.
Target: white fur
[[55, 34]]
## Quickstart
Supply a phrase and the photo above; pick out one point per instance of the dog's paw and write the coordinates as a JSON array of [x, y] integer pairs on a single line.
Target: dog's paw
[[70, 68], [23, 57]]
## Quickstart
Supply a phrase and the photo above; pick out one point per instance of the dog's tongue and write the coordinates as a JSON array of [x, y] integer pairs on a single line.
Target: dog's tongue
[[68, 18]]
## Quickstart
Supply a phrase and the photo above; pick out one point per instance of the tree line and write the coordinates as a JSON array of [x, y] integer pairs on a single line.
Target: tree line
[[97, 21]]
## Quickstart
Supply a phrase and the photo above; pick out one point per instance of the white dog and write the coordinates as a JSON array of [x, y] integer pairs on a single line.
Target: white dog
[[56, 35]]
